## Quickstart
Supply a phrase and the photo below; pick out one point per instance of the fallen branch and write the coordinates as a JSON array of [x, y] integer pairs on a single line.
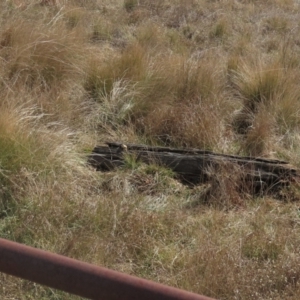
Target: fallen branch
[[195, 166]]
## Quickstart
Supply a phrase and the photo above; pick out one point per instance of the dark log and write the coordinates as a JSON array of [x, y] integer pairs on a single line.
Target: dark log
[[195, 166]]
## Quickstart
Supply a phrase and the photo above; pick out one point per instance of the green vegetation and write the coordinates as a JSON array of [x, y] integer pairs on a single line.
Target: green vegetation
[[216, 75]]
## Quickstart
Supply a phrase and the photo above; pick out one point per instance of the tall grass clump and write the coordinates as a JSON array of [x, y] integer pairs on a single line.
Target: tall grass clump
[[102, 73], [259, 84], [260, 137], [184, 105], [260, 88], [21, 150], [269, 104], [45, 58]]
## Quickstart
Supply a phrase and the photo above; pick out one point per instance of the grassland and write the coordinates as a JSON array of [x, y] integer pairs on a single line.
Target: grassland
[[216, 75]]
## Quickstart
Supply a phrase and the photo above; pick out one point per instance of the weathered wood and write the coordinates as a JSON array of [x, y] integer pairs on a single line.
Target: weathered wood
[[195, 165], [134, 147]]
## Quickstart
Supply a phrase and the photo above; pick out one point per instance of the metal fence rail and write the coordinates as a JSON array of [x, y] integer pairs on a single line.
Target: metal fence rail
[[81, 278]]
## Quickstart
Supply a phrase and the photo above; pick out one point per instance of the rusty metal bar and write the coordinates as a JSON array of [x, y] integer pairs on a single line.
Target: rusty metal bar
[[81, 278]]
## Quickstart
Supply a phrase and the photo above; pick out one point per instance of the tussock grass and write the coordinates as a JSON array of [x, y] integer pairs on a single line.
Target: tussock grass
[[38, 59], [180, 73]]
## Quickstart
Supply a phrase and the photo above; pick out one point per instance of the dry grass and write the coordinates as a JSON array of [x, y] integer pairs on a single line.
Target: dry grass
[[181, 73]]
